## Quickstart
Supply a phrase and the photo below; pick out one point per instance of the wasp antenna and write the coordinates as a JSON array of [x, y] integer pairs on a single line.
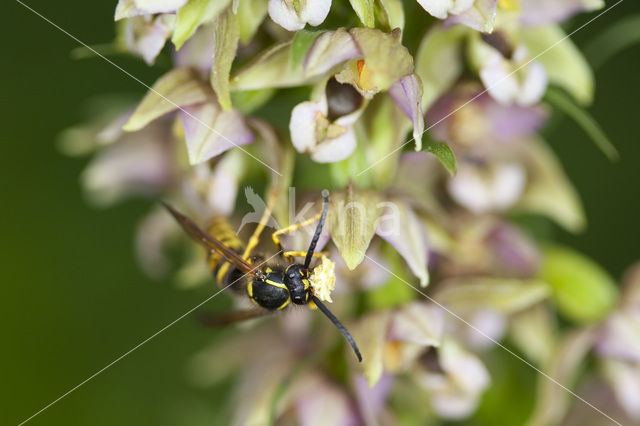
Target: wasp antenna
[[316, 235], [339, 325]]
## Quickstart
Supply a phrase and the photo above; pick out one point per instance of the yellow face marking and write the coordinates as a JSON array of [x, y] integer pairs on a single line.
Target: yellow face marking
[[268, 270], [284, 305], [250, 289], [306, 283]]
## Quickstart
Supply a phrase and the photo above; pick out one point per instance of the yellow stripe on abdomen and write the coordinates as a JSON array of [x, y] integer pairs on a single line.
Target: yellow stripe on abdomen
[[221, 230]]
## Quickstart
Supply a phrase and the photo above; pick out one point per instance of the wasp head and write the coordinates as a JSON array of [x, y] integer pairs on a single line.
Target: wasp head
[[296, 279]]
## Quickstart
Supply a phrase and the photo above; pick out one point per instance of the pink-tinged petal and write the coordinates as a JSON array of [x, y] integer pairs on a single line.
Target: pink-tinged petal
[[324, 404], [420, 323], [336, 149], [328, 50], [481, 16], [403, 229], [302, 125], [407, 93], [131, 8], [482, 120], [455, 392], [197, 52], [491, 324], [284, 13], [542, 12], [223, 189], [482, 190], [621, 336], [513, 253], [152, 236], [209, 131], [147, 38], [371, 400], [624, 378], [141, 163]]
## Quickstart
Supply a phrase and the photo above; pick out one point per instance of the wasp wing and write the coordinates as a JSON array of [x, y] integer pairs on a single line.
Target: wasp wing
[[195, 232]]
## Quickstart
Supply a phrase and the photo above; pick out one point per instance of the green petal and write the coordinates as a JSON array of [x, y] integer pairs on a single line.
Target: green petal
[[250, 15], [564, 63], [386, 59], [439, 61], [175, 89], [271, 69], [365, 9], [194, 14], [549, 191], [504, 295], [226, 44], [300, 45], [353, 219], [582, 290]]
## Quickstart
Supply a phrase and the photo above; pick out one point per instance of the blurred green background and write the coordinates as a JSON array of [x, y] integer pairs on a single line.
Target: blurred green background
[[73, 298]]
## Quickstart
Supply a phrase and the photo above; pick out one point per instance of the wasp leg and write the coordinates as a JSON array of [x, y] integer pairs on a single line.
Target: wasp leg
[[292, 228], [255, 237], [226, 318], [292, 254]]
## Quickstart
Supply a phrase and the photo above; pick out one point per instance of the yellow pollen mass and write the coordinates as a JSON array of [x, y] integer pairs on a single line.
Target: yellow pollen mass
[[323, 279]]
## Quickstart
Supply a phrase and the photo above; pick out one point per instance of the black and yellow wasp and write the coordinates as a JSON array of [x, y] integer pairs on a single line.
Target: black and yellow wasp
[[271, 285]]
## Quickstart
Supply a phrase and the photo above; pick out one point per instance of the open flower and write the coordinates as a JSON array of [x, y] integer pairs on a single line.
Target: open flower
[[324, 127], [512, 79]]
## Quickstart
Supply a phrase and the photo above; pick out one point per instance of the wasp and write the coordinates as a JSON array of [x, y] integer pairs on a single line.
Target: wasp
[[271, 286]]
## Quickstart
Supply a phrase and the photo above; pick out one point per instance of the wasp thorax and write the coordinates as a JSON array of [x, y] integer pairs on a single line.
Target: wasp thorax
[[297, 282]]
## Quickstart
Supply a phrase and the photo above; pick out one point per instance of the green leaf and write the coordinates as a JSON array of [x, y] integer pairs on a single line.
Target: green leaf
[[506, 295], [582, 290], [365, 11], [443, 153], [563, 61], [250, 15], [560, 100], [439, 61], [353, 219], [302, 40], [549, 192], [175, 89], [226, 44], [192, 15], [620, 35]]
